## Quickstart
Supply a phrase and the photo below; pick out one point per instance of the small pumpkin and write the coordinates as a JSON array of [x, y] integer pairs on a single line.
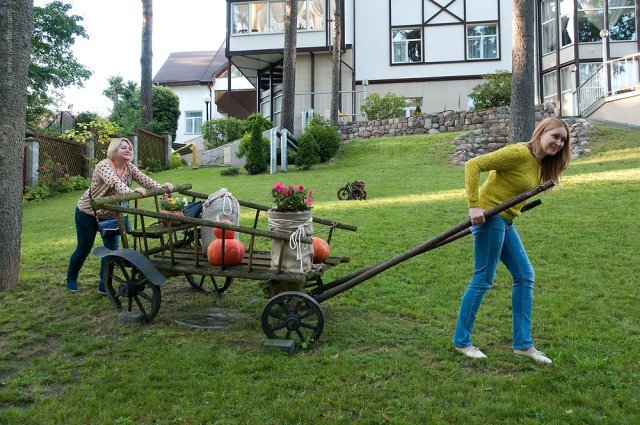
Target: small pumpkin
[[320, 250], [228, 234], [233, 252]]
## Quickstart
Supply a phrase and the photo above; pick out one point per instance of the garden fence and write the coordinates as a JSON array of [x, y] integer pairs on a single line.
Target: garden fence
[[76, 159]]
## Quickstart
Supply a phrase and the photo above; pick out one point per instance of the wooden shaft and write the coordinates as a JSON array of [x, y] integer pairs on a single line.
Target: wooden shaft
[[114, 199], [430, 244]]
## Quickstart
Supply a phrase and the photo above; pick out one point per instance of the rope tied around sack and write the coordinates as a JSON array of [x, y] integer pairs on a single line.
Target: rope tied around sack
[[228, 200], [297, 230]]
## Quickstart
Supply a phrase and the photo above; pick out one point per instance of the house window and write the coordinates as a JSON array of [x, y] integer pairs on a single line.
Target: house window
[[311, 14], [194, 122], [269, 16], [586, 70], [549, 40], [276, 16], [549, 88], [240, 18], [590, 20], [567, 85], [622, 20], [482, 41], [407, 45], [566, 22]]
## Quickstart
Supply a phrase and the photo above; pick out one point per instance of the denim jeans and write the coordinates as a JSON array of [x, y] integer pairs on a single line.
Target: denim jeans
[[86, 229], [495, 240]]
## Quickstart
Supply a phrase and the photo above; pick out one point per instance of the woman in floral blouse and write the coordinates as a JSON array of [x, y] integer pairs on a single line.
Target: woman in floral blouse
[[111, 176]]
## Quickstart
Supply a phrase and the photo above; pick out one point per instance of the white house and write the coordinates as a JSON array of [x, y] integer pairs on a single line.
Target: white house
[[200, 80], [433, 51]]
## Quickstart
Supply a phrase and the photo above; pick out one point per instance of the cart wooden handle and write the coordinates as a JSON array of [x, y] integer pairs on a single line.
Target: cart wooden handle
[[430, 244]]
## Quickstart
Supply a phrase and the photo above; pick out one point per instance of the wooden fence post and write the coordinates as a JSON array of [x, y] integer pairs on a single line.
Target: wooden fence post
[[32, 161]]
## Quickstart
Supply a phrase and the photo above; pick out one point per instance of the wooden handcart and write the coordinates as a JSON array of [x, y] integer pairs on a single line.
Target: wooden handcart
[[137, 271]]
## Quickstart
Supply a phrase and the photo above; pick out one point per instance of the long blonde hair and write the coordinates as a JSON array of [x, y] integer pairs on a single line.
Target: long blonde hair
[[114, 145], [551, 167]]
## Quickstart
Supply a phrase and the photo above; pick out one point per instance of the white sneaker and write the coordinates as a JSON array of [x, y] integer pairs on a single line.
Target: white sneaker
[[472, 352], [536, 355]]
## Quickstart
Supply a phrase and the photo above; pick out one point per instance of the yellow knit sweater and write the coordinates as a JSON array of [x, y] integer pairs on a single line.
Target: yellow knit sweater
[[512, 170]]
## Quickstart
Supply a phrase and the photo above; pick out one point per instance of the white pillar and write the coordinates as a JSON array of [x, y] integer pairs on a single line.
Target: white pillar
[[273, 142], [90, 152], [604, 33], [134, 142], [168, 149], [32, 161]]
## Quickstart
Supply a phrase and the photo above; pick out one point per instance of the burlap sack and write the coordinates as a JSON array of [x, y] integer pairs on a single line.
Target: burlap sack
[[220, 205]]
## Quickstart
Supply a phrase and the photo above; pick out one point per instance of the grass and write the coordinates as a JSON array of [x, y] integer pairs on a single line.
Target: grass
[[385, 355]]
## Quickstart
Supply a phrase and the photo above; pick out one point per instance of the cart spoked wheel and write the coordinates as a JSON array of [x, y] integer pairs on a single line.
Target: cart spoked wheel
[[198, 283], [293, 315], [129, 289], [343, 194]]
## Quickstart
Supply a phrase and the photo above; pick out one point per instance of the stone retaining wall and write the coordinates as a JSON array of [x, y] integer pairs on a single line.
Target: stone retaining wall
[[489, 129]]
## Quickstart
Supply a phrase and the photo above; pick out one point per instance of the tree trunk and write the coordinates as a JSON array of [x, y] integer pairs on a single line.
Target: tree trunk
[[289, 65], [146, 57], [522, 88], [335, 70], [16, 24]]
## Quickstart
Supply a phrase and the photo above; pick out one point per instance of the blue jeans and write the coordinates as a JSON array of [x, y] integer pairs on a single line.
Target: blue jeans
[[86, 229], [495, 240]]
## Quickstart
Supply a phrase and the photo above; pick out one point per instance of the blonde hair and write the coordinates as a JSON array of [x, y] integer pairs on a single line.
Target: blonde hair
[[551, 167], [114, 145]]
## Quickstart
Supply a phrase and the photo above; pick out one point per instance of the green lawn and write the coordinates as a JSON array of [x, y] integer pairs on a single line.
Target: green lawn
[[385, 355]]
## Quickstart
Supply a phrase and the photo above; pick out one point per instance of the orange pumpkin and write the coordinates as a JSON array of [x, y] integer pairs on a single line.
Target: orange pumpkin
[[233, 252], [320, 250], [228, 234]]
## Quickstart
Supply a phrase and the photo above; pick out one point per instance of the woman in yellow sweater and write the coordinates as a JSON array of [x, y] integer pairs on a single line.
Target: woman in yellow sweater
[[512, 170]]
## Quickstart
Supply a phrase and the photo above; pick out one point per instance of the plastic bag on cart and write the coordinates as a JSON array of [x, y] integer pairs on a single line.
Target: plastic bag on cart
[[220, 205]]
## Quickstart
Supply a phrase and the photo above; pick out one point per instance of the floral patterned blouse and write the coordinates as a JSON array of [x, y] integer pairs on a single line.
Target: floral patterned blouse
[[106, 182]]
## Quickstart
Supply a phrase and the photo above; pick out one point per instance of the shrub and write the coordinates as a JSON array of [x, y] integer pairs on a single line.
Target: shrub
[[307, 155], [230, 171], [496, 91], [257, 154], [177, 161], [374, 107], [220, 131], [326, 137], [263, 123], [152, 165]]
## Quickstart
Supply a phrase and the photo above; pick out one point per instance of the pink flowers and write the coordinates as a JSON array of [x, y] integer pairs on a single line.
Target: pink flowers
[[291, 198]]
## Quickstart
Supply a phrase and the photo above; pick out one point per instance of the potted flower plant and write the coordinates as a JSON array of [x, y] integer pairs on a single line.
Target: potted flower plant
[[291, 214], [172, 206]]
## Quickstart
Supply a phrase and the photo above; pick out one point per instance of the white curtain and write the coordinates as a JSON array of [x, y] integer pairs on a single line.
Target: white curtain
[[277, 11]]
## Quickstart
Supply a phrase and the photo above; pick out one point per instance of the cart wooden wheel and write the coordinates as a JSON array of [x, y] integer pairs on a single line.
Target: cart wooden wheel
[[293, 314], [343, 193], [198, 282], [129, 289]]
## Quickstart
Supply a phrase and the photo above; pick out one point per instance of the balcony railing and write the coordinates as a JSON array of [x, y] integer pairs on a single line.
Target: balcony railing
[[319, 103], [624, 74]]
